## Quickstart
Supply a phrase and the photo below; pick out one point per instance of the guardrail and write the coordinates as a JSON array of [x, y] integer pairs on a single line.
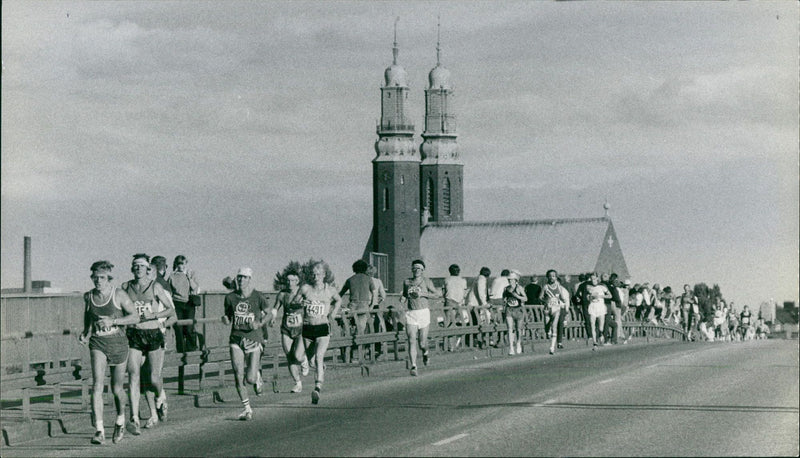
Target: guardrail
[[208, 368]]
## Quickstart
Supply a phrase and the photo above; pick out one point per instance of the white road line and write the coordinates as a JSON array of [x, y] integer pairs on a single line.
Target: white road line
[[607, 380], [451, 439], [549, 401]]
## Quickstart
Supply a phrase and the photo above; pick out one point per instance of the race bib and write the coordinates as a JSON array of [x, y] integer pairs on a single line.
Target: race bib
[[243, 318], [104, 331], [142, 307], [294, 320], [315, 308]]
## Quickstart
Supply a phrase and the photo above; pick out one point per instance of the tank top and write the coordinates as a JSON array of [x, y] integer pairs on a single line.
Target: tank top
[[554, 299], [745, 318], [292, 309], [144, 301], [110, 309], [510, 300], [317, 305]]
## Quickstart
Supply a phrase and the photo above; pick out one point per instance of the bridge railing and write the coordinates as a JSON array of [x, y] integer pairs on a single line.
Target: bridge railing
[[69, 370]]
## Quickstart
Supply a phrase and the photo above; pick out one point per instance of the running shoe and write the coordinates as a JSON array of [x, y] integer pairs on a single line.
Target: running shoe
[[315, 396], [162, 411], [151, 422], [246, 415], [552, 352], [519, 348], [298, 387], [119, 433], [511, 351], [414, 371], [560, 346], [594, 347], [135, 428], [425, 357], [304, 367], [99, 438], [259, 386]]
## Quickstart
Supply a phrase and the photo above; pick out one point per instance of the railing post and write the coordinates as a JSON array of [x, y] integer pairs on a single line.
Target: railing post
[[26, 404], [57, 399]]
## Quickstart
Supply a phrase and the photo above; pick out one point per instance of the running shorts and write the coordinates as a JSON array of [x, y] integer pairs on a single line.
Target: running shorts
[[315, 331], [145, 340], [292, 332], [420, 318], [247, 345], [517, 313], [115, 347], [597, 309]]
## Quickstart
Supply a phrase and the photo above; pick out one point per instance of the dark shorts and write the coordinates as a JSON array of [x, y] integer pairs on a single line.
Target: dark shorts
[[145, 340], [517, 313], [313, 331], [114, 347], [293, 332], [247, 345]]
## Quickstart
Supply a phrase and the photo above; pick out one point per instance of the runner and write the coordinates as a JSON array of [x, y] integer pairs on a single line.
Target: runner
[[416, 292], [596, 294], [556, 298], [317, 300], [146, 341], [513, 298], [291, 303], [362, 290], [106, 310], [745, 323], [245, 311], [689, 310]]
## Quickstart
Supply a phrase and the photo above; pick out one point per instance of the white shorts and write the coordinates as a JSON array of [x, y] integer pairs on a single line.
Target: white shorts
[[420, 318], [597, 309]]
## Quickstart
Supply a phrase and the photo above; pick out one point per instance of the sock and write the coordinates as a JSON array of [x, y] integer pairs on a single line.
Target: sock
[[120, 420], [135, 418], [246, 404], [161, 399]]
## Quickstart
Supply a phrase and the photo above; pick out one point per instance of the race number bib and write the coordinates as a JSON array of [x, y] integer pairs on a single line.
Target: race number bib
[[294, 320], [243, 318], [315, 308], [142, 307], [101, 331]]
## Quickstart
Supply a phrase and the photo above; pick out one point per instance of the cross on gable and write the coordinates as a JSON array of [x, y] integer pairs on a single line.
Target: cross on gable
[[610, 241]]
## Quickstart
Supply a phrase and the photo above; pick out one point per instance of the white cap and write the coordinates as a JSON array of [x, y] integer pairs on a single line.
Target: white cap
[[513, 275], [245, 271]]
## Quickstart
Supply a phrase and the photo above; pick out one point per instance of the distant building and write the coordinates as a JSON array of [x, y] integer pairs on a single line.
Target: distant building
[[418, 204], [37, 287]]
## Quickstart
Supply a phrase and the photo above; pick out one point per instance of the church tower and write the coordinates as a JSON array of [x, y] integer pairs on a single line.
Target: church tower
[[395, 181], [441, 171]]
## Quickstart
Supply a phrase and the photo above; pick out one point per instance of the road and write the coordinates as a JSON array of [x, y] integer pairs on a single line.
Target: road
[[668, 399]]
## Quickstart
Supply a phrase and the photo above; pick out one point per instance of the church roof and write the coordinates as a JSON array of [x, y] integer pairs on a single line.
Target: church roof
[[570, 246]]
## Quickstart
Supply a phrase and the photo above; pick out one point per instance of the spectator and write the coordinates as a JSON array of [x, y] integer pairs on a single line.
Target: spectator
[[361, 288], [496, 289], [454, 291], [762, 330], [159, 265], [378, 296], [183, 284], [478, 298], [582, 299]]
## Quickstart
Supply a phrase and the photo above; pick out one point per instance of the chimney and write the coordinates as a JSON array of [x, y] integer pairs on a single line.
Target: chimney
[[28, 288]]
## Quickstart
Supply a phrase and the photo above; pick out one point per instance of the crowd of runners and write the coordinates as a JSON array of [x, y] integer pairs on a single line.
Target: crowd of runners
[[125, 326]]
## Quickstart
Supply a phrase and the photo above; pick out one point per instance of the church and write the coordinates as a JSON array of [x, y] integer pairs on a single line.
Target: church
[[418, 203]]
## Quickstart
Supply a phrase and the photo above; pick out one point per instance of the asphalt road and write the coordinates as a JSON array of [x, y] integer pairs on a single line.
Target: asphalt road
[[669, 399]]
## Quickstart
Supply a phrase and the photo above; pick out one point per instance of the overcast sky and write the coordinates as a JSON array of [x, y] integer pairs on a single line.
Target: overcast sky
[[242, 133]]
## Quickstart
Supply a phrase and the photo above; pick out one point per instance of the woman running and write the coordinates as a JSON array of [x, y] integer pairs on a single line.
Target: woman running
[[245, 310], [317, 301], [291, 302], [597, 294], [107, 310], [513, 298], [146, 340]]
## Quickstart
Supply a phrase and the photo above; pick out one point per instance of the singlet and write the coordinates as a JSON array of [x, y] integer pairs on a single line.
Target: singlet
[[109, 309], [317, 304], [242, 313], [510, 300], [292, 309], [424, 285], [745, 318], [144, 301], [687, 300], [555, 295], [596, 293]]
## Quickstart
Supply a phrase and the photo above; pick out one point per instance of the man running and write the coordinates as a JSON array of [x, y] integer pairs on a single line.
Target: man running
[[514, 297], [556, 298], [245, 311], [689, 310], [321, 303], [416, 292], [291, 303], [146, 340], [106, 311]]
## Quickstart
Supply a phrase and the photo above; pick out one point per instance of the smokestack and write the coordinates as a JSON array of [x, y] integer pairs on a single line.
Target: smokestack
[[27, 270]]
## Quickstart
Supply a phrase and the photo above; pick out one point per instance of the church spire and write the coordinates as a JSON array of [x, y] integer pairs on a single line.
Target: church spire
[[395, 50], [438, 39]]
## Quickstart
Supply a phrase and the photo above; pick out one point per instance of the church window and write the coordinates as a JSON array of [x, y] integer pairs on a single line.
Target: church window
[[385, 199], [446, 196], [429, 196], [402, 179]]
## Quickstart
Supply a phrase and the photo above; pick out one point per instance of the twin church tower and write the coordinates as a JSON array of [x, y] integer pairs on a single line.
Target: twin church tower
[[412, 186]]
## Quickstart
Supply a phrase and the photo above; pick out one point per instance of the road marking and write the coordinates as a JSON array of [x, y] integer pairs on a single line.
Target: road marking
[[607, 380], [451, 439], [549, 401], [651, 366]]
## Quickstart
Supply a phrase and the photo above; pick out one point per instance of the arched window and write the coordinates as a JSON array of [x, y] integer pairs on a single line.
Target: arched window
[[446, 196], [385, 199]]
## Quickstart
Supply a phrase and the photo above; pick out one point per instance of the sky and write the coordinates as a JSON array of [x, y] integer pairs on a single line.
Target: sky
[[243, 133]]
